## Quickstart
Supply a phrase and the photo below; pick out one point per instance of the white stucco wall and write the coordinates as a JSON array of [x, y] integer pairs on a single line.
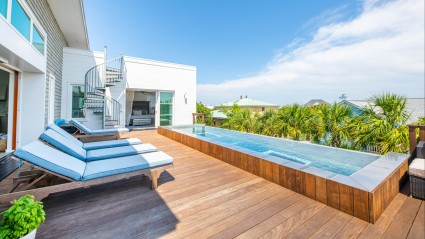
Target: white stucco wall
[[76, 63], [142, 74], [164, 76], [30, 107]]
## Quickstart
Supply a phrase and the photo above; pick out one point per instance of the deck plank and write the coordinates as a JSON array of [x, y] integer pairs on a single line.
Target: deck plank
[[275, 220], [332, 227], [418, 228], [403, 219], [205, 197], [295, 221], [313, 224]]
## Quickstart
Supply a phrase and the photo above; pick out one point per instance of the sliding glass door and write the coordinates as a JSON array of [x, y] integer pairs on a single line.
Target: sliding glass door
[[165, 108]]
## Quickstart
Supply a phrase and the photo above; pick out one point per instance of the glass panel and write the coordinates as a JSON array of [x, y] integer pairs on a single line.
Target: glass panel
[[165, 108], [3, 8], [77, 101], [37, 40], [20, 20]]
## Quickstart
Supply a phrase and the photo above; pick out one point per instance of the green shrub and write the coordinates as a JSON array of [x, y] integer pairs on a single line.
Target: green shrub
[[21, 218]]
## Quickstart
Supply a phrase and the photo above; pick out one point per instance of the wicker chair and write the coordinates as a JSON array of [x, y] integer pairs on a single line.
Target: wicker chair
[[417, 178]]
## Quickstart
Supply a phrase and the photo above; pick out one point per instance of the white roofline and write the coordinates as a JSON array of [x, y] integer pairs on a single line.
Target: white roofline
[[70, 17], [158, 63], [85, 23]]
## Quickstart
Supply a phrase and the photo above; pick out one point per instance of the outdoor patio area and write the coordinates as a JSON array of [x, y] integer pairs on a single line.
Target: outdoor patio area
[[203, 197]]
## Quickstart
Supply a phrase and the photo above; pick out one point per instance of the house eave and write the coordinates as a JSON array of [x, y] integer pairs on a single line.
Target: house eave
[[70, 16]]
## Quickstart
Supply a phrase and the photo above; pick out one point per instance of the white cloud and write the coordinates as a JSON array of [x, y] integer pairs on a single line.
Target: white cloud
[[382, 49]]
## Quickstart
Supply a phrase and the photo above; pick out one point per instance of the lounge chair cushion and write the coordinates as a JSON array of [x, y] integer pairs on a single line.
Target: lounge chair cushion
[[108, 167], [52, 159], [65, 134], [111, 143], [61, 163], [122, 151], [64, 144], [417, 167], [100, 131], [95, 145]]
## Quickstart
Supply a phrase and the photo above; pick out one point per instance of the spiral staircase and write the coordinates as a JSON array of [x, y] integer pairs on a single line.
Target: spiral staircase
[[97, 99]]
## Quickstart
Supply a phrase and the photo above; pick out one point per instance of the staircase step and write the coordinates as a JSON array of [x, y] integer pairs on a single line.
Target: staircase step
[[111, 68], [113, 73], [94, 99], [94, 105], [111, 123], [101, 88], [94, 94], [110, 84]]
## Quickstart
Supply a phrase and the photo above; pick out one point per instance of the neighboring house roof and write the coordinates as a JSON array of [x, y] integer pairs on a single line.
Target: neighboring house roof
[[69, 15], [316, 102], [414, 106], [248, 102], [217, 114], [358, 103]]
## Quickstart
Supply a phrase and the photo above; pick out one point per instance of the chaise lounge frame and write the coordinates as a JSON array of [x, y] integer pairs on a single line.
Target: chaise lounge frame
[[87, 138], [40, 193]]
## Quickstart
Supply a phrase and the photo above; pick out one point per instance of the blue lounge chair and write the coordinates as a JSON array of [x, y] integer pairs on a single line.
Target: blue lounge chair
[[88, 131], [76, 150], [95, 145], [52, 161]]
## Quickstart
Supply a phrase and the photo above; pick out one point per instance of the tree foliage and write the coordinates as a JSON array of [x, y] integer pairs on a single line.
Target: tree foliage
[[201, 108], [382, 124]]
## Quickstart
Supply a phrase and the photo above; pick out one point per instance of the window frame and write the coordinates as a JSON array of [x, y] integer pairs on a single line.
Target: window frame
[[71, 101], [7, 11], [33, 23], [35, 29]]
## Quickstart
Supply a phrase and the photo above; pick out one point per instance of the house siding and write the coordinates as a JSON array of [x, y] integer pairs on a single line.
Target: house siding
[[54, 49]]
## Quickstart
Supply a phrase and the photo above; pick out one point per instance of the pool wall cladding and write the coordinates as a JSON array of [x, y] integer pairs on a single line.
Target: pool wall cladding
[[362, 204]]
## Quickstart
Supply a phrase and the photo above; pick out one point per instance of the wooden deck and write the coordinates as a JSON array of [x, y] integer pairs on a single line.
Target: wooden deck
[[206, 198]]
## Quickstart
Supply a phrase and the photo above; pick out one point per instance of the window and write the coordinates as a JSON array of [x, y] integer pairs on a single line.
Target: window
[[20, 19], [77, 101], [165, 108], [37, 40], [3, 8]]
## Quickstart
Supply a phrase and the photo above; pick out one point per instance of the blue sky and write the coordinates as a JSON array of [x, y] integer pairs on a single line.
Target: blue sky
[[240, 46]]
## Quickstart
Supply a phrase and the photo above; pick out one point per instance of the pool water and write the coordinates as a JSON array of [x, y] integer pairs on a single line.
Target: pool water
[[339, 161]]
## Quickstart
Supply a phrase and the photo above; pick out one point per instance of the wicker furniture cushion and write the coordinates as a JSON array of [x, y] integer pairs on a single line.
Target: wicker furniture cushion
[[417, 167]]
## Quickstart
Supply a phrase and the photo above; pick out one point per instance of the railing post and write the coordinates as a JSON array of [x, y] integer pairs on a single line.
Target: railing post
[[412, 137], [422, 132]]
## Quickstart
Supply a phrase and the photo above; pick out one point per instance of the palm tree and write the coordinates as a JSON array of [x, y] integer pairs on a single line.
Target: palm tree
[[294, 121], [384, 124], [238, 119], [334, 122]]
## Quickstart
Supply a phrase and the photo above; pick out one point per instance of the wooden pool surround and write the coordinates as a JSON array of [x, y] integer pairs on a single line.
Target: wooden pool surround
[[359, 203]]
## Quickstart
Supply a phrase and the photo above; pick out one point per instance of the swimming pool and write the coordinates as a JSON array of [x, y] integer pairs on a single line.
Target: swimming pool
[[357, 183], [339, 161]]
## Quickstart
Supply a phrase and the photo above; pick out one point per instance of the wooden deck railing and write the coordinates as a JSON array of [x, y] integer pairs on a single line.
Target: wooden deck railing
[[196, 115], [412, 135]]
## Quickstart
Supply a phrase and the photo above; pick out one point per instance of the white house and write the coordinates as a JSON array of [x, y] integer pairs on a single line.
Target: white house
[[32, 36], [44, 60], [146, 92]]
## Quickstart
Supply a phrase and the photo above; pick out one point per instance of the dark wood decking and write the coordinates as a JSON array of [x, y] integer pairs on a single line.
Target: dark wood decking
[[206, 198]]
